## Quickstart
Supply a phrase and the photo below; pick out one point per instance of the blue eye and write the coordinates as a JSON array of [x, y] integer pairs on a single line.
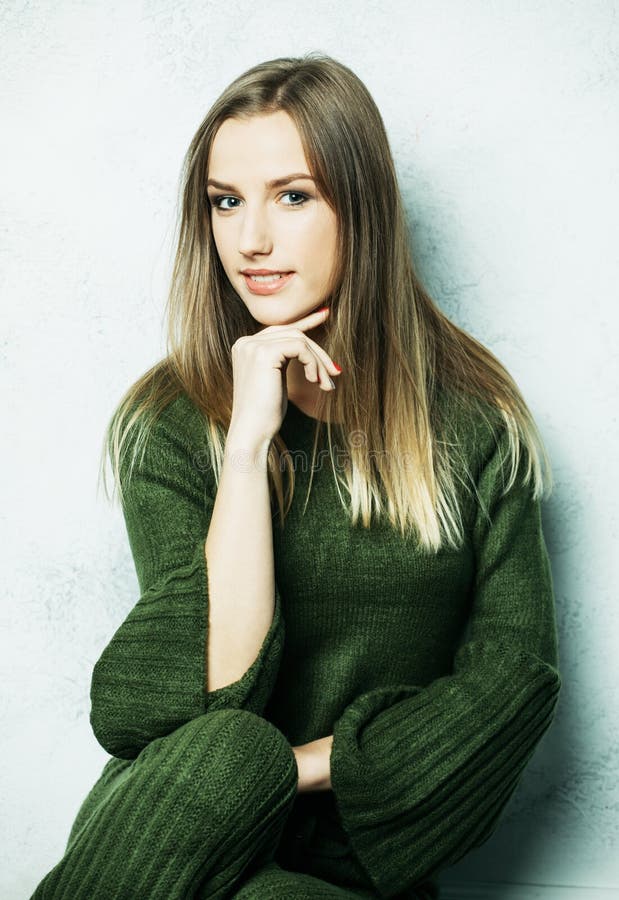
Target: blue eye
[[217, 201], [296, 194]]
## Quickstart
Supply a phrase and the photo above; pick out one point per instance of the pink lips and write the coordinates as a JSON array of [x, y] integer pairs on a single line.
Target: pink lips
[[265, 272], [267, 287]]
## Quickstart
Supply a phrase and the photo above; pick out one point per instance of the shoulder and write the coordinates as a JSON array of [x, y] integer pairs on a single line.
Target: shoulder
[[182, 418], [165, 437], [473, 429], [177, 419]]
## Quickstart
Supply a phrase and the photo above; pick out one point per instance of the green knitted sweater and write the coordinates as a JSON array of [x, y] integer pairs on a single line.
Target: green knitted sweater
[[436, 674]]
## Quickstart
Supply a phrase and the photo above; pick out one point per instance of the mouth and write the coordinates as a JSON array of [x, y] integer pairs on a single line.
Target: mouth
[[263, 281]]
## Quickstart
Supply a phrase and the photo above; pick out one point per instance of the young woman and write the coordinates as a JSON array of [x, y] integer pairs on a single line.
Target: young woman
[[341, 705]]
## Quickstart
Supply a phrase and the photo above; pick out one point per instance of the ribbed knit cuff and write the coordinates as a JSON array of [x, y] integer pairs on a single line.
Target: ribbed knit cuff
[[151, 677], [422, 775]]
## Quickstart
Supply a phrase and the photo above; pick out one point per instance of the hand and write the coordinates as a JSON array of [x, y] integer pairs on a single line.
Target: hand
[[259, 363], [313, 763]]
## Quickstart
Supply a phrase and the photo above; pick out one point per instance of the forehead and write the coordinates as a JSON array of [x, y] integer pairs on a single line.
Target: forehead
[[263, 145]]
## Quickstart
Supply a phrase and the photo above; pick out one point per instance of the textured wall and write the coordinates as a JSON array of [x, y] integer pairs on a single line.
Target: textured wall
[[503, 122]]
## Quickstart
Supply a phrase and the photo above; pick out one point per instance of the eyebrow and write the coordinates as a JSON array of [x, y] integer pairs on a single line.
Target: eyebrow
[[276, 182]]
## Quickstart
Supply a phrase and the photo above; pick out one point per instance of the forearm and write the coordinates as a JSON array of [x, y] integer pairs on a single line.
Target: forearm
[[314, 764], [239, 557]]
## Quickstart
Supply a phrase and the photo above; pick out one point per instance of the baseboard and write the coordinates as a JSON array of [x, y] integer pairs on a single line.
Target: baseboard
[[488, 890]]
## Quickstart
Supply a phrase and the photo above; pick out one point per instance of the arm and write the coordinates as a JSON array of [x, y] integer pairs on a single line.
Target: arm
[[151, 677], [313, 765], [239, 554], [422, 774]]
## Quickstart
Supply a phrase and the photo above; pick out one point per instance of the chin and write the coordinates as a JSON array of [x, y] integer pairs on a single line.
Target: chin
[[282, 317]]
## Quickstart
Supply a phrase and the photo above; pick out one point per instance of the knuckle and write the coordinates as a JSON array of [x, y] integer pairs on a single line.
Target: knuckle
[[261, 351]]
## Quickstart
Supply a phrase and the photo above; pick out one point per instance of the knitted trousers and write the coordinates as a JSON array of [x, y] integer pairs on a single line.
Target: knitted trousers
[[199, 813]]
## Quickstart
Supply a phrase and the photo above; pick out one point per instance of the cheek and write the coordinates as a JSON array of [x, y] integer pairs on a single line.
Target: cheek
[[325, 244], [221, 241], [311, 239]]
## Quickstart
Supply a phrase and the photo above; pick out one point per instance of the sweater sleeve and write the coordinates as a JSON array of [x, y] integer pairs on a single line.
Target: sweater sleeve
[[422, 774], [151, 677]]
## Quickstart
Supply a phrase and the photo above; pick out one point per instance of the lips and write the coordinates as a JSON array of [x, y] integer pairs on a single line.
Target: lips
[[267, 287], [264, 272]]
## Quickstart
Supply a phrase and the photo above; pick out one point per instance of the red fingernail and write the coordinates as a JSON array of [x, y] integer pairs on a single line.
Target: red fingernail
[[339, 368], [323, 309]]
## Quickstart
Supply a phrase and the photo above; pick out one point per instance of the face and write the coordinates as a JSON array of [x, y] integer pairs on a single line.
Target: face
[[257, 225]]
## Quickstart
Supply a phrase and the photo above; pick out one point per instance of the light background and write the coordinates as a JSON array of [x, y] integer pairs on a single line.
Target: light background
[[503, 120]]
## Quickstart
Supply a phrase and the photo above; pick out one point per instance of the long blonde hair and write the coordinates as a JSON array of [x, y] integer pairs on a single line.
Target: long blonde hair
[[396, 348]]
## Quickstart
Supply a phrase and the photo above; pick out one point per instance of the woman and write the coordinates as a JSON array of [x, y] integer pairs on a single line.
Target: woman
[[343, 705]]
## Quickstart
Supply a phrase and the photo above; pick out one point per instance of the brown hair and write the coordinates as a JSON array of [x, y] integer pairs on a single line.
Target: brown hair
[[397, 349]]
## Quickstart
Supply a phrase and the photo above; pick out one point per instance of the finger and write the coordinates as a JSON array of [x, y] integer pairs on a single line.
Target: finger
[[326, 382], [324, 356], [278, 333], [311, 320], [315, 369]]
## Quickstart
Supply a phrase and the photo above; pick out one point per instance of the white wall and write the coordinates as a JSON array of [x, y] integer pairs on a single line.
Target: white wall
[[503, 122]]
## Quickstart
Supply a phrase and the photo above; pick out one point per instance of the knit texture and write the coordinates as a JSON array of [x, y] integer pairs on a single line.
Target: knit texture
[[151, 678], [437, 674], [187, 818]]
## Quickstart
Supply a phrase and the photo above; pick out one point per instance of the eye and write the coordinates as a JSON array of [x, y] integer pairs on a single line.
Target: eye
[[215, 201], [304, 198]]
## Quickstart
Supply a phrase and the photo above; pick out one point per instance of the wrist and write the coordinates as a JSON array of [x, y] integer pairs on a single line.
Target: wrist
[[319, 763], [246, 453]]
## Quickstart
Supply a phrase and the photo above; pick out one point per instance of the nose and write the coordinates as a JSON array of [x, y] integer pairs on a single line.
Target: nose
[[255, 233]]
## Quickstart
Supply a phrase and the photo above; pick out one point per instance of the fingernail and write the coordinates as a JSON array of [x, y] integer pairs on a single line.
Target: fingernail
[[324, 309], [339, 368]]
